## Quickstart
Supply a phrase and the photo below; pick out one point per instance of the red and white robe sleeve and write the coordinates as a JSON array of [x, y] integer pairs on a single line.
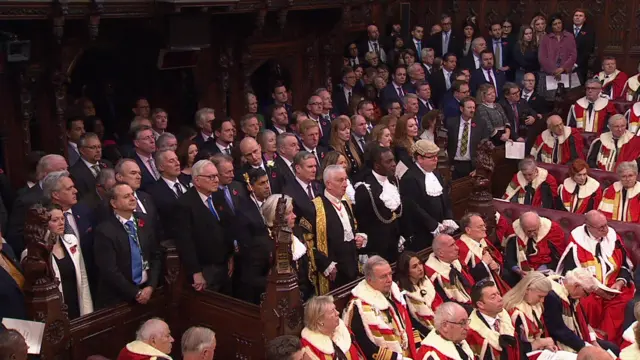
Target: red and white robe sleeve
[[569, 147], [615, 207], [434, 347], [422, 302], [138, 350], [614, 84], [594, 121], [544, 185], [318, 346]]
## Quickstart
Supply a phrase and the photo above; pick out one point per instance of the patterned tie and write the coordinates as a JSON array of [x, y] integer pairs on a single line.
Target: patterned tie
[[154, 170], [68, 229], [576, 31], [400, 93], [96, 169], [418, 47], [496, 325], [212, 208], [445, 45], [516, 117], [492, 80], [464, 142], [178, 189], [138, 207], [309, 192], [136, 252]]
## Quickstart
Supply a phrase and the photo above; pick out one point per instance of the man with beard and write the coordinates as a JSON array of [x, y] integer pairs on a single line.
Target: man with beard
[[378, 206], [332, 232]]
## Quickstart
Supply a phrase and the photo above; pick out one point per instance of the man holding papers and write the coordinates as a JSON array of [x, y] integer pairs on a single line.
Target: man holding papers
[[591, 113], [559, 144]]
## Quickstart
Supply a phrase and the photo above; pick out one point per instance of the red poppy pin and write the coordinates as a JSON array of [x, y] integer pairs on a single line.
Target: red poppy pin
[[73, 249], [235, 192], [473, 124], [583, 33], [533, 98], [140, 223], [322, 156], [273, 174], [505, 43], [324, 123]]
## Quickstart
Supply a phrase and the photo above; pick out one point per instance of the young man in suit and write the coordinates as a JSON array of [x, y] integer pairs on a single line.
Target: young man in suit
[[87, 168], [279, 119], [145, 146], [205, 241], [423, 90], [416, 42], [223, 132], [487, 74], [397, 88], [500, 47], [75, 129], [464, 135], [451, 104], [441, 80], [343, 93], [585, 38], [126, 252], [305, 188]]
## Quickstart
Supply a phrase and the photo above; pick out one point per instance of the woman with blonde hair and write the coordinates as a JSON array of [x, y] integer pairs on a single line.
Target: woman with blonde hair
[[391, 121], [429, 123], [524, 302], [382, 135], [404, 138], [492, 114], [340, 141], [631, 338], [539, 25], [325, 336]]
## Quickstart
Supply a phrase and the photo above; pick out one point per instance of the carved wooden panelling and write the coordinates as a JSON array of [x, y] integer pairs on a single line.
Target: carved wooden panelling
[[617, 24]]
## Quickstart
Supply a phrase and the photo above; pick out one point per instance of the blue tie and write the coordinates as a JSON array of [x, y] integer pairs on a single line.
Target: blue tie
[[227, 196], [212, 208], [136, 253]]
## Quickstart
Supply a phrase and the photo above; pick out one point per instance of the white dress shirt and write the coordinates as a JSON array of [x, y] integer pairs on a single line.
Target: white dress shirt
[[171, 184], [305, 187]]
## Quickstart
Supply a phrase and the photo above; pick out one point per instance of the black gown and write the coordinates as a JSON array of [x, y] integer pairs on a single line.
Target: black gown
[[68, 280]]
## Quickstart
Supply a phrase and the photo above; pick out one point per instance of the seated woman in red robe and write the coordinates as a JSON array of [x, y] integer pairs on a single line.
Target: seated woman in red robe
[[596, 247], [579, 193], [325, 336], [620, 201]]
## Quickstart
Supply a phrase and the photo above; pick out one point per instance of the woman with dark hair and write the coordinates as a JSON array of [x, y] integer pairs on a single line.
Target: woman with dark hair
[[187, 151], [340, 141], [394, 54], [351, 56], [525, 54], [429, 123], [470, 31], [422, 298], [557, 52], [579, 193], [408, 57], [359, 71], [507, 30]]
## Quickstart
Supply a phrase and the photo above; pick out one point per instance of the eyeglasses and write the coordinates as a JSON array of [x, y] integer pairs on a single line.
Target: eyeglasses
[[604, 227], [209, 177], [464, 322], [94, 147]]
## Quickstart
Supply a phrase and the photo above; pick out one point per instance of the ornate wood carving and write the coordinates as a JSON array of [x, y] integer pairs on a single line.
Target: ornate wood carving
[[60, 80], [97, 8], [310, 52], [28, 80], [247, 69], [282, 18], [281, 303], [43, 299], [261, 17], [225, 62], [62, 10], [481, 198], [328, 50]]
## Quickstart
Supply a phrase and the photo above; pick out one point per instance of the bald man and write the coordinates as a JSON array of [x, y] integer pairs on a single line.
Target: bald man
[[559, 144], [536, 244], [448, 341], [153, 342], [593, 353], [596, 246], [614, 146], [252, 154]]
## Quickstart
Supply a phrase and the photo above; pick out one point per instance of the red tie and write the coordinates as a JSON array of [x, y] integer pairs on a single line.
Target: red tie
[[496, 325], [492, 80]]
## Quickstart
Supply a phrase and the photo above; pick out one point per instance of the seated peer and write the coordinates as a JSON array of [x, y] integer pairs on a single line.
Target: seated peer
[[325, 335], [491, 334], [591, 113], [285, 347], [536, 244], [153, 342], [596, 247], [532, 185], [12, 345], [614, 146], [612, 79], [449, 277], [579, 193], [620, 201], [448, 341], [422, 298], [559, 144], [524, 302], [198, 343], [630, 91]]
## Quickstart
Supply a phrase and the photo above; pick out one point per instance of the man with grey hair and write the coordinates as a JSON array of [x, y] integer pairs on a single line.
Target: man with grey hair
[[166, 191], [558, 144], [327, 104], [427, 56], [452, 325], [87, 168], [450, 279], [334, 234], [315, 109], [153, 341], [198, 343], [532, 185], [205, 241], [15, 227], [416, 73], [203, 121], [160, 121], [96, 200], [473, 60], [410, 103], [166, 141], [377, 308], [620, 199], [595, 246], [536, 244], [591, 112], [614, 147], [287, 146]]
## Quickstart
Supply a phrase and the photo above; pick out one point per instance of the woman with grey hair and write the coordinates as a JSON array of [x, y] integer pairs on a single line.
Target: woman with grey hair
[[298, 249], [492, 113], [620, 201], [325, 336]]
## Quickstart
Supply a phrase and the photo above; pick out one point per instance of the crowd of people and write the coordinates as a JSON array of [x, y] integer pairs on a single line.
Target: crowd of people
[[356, 169]]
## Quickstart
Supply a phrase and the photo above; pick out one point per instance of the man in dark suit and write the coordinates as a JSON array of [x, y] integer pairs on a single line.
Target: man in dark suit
[[501, 49], [145, 146], [441, 80], [287, 147], [314, 112], [423, 90], [15, 228], [166, 191], [427, 56], [529, 94], [585, 38], [205, 241], [309, 133], [96, 200], [126, 252], [416, 41], [343, 93], [13, 304], [373, 43], [204, 122], [252, 153], [464, 135], [487, 75], [305, 188], [75, 129], [451, 104], [128, 171], [521, 116], [223, 132], [397, 88], [359, 134], [280, 96], [279, 119], [446, 41], [473, 61], [232, 190], [85, 170]]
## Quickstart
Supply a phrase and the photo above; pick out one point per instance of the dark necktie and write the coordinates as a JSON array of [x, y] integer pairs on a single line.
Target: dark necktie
[[455, 276], [463, 355], [615, 144], [556, 145], [496, 325], [516, 117], [338, 354], [598, 251], [227, 196], [353, 63], [574, 198], [400, 93], [531, 249], [529, 192], [361, 141], [348, 97], [492, 80], [138, 207], [376, 48], [589, 110], [178, 189], [68, 229], [309, 192], [624, 205]]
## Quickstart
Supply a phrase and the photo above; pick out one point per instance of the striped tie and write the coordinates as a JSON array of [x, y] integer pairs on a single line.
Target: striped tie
[[464, 142]]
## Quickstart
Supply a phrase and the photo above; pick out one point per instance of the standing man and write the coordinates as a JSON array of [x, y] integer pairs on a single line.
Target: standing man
[[223, 131], [441, 80], [585, 38], [423, 90], [159, 122], [252, 154], [486, 74], [287, 147], [464, 133], [446, 41], [145, 146], [416, 42], [397, 88], [87, 168], [372, 44], [75, 130], [305, 188], [343, 93], [204, 120], [314, 112]]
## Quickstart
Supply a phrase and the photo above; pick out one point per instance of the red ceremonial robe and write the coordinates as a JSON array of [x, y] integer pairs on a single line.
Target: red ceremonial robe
[[633, 118], [470, 256], [503, 228], [570, 146], [422, 302], [596, 120], [609, 156], [629, 336], [613, 207], [546, 248], [612, 265], [588, 197], [545, 186], [485, 340], [613, 85], [438, 272], [630, 91], [434, 347], [573, 315], [529, 322], [138, 350], [318, 346]]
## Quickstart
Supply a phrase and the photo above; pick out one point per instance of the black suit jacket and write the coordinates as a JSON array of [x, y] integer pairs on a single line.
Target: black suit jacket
[[389, 94], [438, 87], [15, 227], [539, 103], [477, 79], [13, 305], [302, 206], [410, 44], [524, 110], [164, 200], [479, 131], [83, 178], [507, 52], [276, 180], [469, 62], [203, 239], [147, 178], [340, 104], [424, 109], [585, 46], [113, 257], [456, 43], [287, 172]]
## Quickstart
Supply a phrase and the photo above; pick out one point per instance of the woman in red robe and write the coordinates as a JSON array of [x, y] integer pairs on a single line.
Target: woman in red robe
[[579, 193]]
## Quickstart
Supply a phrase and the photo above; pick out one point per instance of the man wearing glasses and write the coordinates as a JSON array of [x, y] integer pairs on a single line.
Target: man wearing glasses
[[597, 248], [613, 147], [448, 341], [591, 113], [445, 41], [523, 118], [559, 144], [85, 171]]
